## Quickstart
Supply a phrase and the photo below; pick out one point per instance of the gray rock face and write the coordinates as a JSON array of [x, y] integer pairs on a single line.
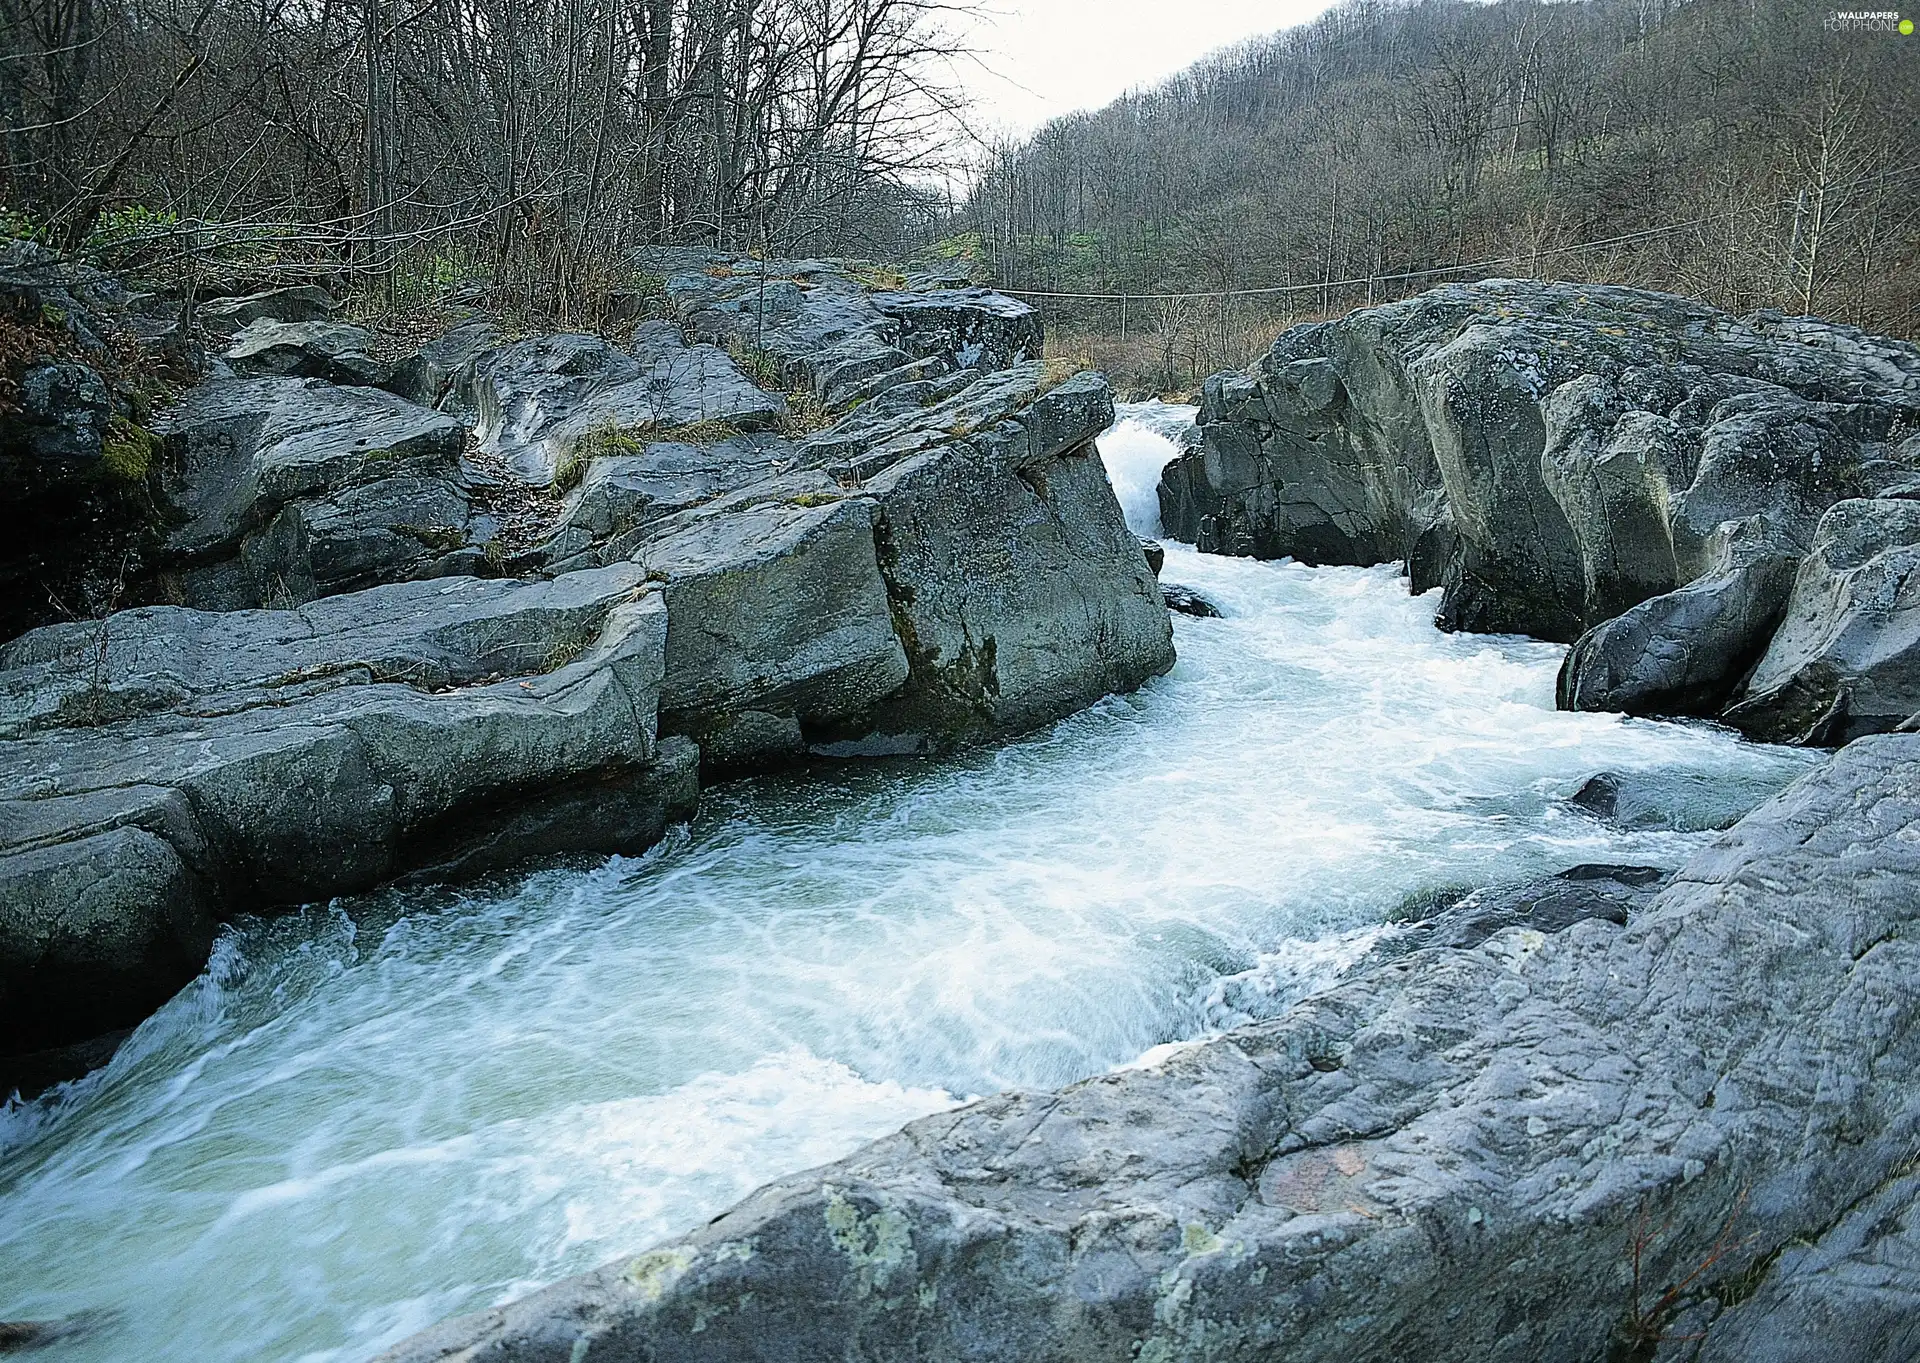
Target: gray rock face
[[1686, 652], [1550, 455], [428, 376], [295, 489], [1490, 1129], [294, 303], [823, 325], [538, 402], [63, 418], [778, 624], [906, 580], [334, 351], [167, 766], [1017, 588], [1846, 661]]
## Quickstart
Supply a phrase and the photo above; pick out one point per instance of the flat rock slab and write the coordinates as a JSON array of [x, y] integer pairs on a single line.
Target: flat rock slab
[[1455, 1156]]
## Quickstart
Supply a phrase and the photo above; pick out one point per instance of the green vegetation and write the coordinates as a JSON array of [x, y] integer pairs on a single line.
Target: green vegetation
[[128, 451]]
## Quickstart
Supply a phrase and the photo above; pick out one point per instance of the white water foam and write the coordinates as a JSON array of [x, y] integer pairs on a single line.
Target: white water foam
[[364, 1118]]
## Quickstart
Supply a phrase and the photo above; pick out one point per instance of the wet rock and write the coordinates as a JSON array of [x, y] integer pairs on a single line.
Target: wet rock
[[1187, 601], [24, 1336], [1156, 555], [168, 767], [1686, 652], [293, 489], [1846, 659], [1607, 893], [334, 351], [1729, 1068]]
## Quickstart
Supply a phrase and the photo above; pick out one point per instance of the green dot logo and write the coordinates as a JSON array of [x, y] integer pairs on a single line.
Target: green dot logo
[[1906, 28]]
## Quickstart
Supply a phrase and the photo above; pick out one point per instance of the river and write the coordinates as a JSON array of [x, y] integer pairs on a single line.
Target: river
[[370, 1115]]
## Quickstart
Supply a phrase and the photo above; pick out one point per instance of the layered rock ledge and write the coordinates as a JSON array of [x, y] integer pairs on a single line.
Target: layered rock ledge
[[1460, 1153], [354, 693], [1635, 471]]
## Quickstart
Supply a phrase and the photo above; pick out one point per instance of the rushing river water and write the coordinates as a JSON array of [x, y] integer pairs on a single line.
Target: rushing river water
[[365, 1117]]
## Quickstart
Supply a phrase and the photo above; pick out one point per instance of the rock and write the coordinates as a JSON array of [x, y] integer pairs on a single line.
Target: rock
[[1187, 601], [919, 576], [1608, 893], [78, 489], [168, 767], [1156, 555], [293, 489], [1551, 455], [427, 376], [1720, 1080], [625, 492], [1846, 660], [63, 418], [1017, 589], [833, 328], [22, 1336], [334, 351], [1848, 1295], [778, 624], [972, 328], [550, 404], [1687, 652], [292, 303]]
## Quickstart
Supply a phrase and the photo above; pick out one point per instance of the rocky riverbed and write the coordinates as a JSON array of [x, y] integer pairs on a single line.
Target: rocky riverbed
[[1619, 1112], [351, 690]]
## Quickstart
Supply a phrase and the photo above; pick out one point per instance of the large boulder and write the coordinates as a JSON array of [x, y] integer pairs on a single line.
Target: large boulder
[[902, 583], [1846, 660], [292, 489], [1504, 1152], [1549, 454], [778, 624], [1018, 590], [167, 767]]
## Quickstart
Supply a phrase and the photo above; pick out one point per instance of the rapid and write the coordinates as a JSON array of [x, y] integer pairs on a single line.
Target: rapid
[[376, 1113]]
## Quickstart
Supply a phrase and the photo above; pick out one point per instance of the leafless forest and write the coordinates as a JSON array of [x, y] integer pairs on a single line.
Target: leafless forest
[[529, 143], [1740, 151]]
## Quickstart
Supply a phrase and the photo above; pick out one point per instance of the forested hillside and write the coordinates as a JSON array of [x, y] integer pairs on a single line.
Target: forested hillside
[[1741, 151], [529, 143]]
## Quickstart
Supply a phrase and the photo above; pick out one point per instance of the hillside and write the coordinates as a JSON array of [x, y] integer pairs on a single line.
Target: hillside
[[1744, 153]]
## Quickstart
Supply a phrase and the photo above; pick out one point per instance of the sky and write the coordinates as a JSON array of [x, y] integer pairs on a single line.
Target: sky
[[1050, 57]]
